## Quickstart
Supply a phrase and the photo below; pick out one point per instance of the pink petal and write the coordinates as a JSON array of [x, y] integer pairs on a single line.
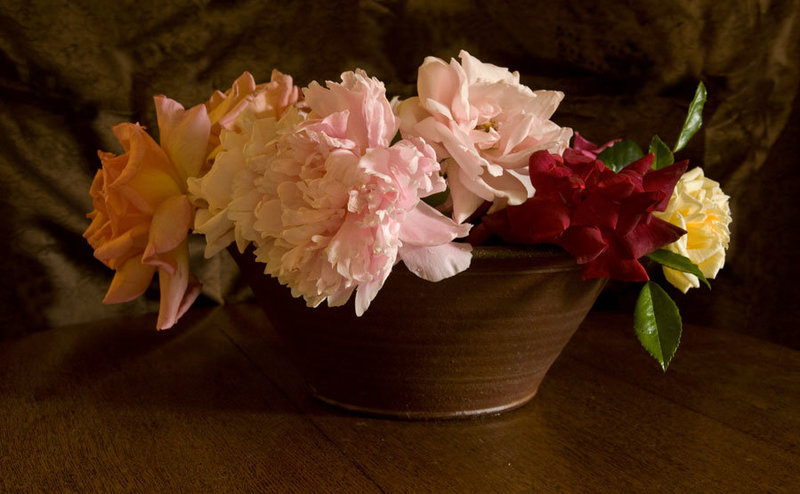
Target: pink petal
[[425, 226], [176, 294], [589, 149], [193, 290], [437, 82], [476, 71], [365, 293], [465, 201], [507, 186], [282, 93], [437, 262]]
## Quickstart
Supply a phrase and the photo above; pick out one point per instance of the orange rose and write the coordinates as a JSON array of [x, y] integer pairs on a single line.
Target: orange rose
[[142, 215]]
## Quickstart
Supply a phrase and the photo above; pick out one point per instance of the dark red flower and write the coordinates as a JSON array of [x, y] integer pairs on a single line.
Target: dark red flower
[[583, 149], [602, 218]]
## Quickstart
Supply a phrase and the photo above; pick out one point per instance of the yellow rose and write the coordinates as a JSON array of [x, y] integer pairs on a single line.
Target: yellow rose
[[699, 206]]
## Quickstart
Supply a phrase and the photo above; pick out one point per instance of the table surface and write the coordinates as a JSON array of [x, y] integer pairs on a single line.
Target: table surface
[[215, 404]]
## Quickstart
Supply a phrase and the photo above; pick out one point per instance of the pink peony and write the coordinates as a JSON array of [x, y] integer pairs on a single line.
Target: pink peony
[[142, 214], [484, 125], [331, 205]]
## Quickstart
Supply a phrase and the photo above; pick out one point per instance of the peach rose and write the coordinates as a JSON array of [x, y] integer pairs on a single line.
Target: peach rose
[[699, 206], [141, 212]]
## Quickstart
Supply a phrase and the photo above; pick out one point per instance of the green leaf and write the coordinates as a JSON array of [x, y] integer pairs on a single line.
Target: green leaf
[[621, 155], [657, 323], [663, 155], [676, 261], [694, 118], [434, 200]]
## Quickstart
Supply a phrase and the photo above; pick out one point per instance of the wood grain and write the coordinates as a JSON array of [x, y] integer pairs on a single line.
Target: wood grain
[[745, 383], [115, 406], [217, 405]]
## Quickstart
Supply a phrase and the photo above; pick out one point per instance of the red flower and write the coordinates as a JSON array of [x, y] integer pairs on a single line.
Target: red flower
[[581, 148], [602, 218]]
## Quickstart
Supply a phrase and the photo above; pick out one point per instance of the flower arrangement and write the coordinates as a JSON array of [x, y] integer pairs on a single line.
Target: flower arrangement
[[333, 185]]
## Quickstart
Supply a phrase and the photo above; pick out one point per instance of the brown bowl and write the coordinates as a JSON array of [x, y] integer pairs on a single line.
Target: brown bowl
[[477, 343]]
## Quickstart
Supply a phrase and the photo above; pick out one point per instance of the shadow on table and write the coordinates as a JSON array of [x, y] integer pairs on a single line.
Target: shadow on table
[[127, 363]]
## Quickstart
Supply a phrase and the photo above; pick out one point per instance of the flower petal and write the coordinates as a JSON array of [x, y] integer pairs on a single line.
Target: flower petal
[[365, 294], [121, 247], [438, 262], [465, 201], [169, 227], [184, 135], [537, 220], [586, 243], [650, 236], [176, 292], [680, 280], [130, 281], [437, 82], [664, 181], [425, 226]]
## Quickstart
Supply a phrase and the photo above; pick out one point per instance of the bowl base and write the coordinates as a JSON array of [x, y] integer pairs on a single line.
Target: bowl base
[[422, 414]]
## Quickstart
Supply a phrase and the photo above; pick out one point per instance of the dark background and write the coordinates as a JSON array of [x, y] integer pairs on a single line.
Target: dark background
[[71, 70]]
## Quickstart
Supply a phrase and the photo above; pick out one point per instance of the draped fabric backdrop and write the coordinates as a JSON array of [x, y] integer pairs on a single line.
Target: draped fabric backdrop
[[72, 69]]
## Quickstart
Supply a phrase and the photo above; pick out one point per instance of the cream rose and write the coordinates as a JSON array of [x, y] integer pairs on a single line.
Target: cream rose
[[270, 99], [245, 112], [699, 206]]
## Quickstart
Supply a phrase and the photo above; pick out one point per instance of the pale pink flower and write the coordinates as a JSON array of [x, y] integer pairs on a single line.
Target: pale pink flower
[[484, 125], [334, 205], [141, 212]]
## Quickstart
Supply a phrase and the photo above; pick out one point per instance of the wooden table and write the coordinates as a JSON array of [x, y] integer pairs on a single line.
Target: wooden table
[[214, 405]]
